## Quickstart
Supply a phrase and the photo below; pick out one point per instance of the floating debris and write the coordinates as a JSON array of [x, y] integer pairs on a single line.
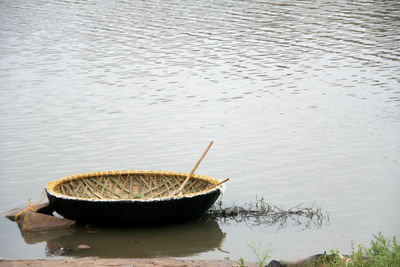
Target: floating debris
[[261, 213]]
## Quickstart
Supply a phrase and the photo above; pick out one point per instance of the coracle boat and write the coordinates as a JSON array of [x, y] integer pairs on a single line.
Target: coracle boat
[[133, 197]]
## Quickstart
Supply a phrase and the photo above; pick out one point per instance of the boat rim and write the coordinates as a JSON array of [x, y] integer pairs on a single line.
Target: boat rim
[[50, 186]]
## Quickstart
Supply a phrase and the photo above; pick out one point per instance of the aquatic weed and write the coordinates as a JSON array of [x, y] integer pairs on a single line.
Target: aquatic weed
[[259, 212]]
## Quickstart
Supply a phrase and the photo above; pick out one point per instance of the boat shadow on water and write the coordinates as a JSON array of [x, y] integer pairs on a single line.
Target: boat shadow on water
[[179, 240]]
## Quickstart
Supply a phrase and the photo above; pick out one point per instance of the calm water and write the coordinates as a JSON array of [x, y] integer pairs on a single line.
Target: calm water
[[302, 100]]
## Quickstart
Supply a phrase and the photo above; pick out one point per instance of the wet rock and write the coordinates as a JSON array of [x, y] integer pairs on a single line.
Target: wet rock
[[44, 208], [36, 222], [12, 213], [53, 248]]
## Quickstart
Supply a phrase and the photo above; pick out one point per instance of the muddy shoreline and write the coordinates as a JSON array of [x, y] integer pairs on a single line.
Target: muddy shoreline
[[120, 262]]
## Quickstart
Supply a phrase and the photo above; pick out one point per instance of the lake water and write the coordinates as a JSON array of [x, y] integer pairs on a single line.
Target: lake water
[[302, 100]]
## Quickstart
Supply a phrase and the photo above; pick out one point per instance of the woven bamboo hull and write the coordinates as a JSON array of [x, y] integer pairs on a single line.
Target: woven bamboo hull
[[128, 212], [127, 197]]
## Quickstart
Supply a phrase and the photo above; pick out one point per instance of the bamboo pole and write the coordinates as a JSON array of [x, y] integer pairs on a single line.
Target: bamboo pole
[[193, 170], [214, 186]]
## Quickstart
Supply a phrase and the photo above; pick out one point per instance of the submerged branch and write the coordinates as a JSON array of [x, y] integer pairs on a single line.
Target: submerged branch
[[261, 213]]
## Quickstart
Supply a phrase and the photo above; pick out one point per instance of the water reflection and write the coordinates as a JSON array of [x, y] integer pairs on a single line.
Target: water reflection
[[180, 240], [38, 237]]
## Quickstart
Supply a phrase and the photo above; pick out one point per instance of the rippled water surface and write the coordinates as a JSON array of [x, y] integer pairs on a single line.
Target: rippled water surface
[[302, 100]]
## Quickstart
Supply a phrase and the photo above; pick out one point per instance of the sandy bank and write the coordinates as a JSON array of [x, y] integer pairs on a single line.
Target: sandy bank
[[120, 262]]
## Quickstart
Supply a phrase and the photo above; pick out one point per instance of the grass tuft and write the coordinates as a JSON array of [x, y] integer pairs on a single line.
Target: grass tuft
[[261, 254], [381, 253]]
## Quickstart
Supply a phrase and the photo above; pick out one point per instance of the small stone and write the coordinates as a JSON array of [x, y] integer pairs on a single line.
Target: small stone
[[81, 247]]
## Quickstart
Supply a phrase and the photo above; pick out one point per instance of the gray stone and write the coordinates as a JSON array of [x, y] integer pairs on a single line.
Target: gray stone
[[81, 247]]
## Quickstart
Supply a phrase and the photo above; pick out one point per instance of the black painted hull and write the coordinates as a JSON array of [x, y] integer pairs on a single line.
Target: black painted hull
[[133, 212]]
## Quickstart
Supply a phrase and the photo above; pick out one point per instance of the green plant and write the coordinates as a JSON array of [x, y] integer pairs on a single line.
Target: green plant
[[381, 253], [332, 259], [241, 262], [262, 254]]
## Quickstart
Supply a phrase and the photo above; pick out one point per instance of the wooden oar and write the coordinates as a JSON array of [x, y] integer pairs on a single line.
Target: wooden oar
[[214, 186], [191, 173]]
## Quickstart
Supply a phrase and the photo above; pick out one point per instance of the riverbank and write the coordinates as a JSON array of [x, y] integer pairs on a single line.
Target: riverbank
[[120, 262]]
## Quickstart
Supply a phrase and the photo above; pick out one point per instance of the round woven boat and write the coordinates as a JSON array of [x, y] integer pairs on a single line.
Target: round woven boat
[[132, 197]]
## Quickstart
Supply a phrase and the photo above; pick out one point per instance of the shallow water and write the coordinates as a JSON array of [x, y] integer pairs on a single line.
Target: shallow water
[[301, 98]]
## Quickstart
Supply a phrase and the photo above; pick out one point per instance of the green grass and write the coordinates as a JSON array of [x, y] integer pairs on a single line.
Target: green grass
[[382, 252], [241, 262], [261, 254]]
